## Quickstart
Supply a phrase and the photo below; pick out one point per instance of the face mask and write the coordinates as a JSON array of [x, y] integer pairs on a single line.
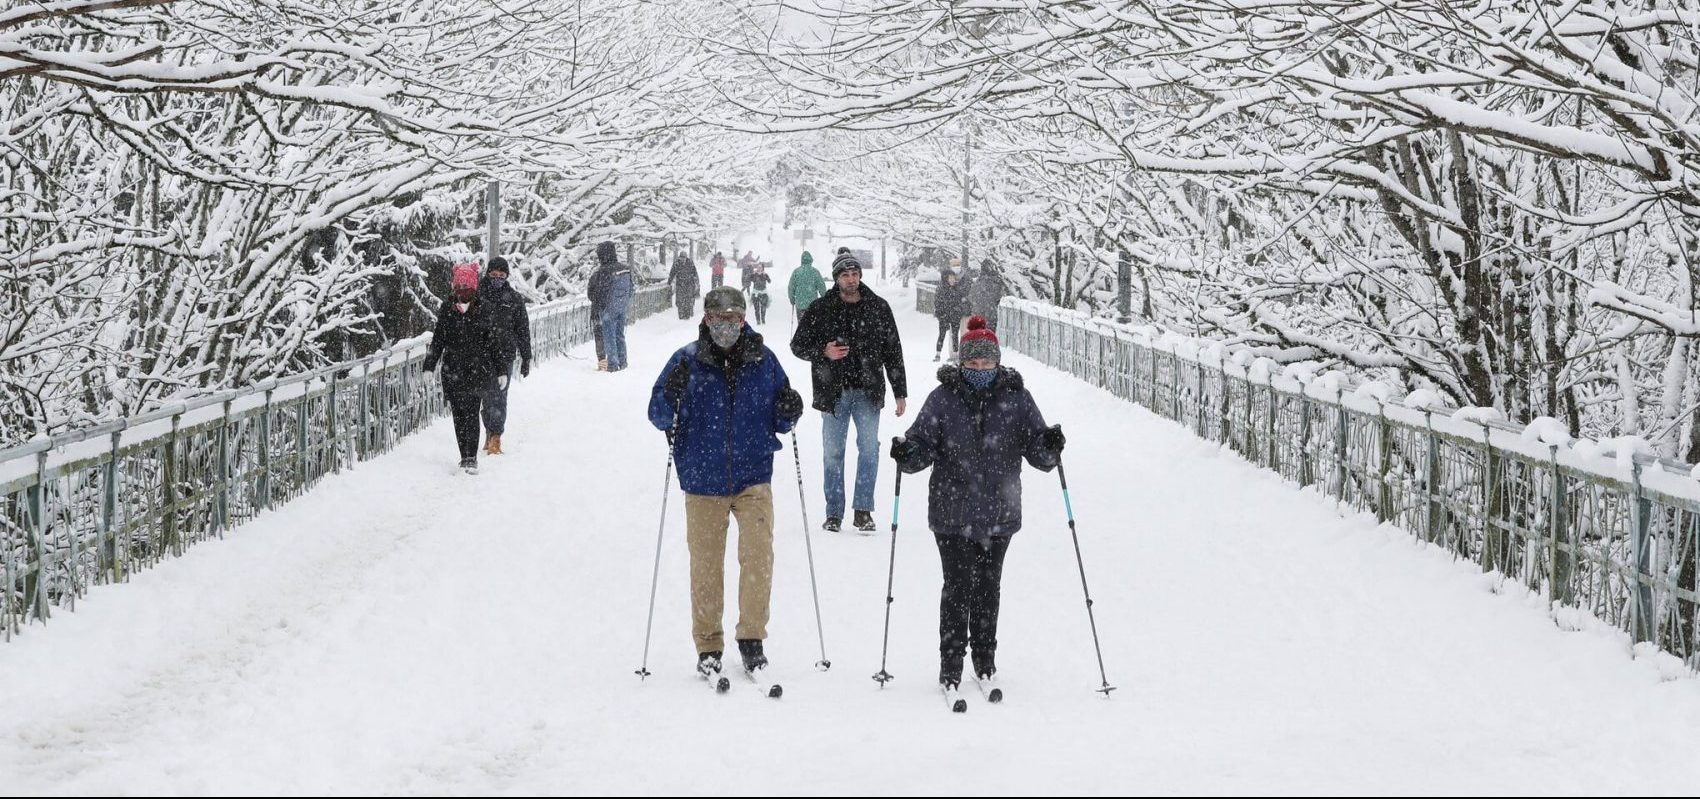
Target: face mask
[[498, 282], [979, 379], [725, 334]]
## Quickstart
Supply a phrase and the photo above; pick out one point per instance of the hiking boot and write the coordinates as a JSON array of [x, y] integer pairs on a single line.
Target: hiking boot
[[832, 524], [750, 650], [469, 465], [985, 664], [708, 663], [494, 445], [865, 521]]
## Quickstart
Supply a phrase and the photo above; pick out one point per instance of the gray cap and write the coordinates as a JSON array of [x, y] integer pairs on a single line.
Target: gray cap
[[722, 299]]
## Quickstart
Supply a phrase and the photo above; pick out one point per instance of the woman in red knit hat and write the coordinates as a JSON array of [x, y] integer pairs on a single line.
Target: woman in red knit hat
[[974, 430]]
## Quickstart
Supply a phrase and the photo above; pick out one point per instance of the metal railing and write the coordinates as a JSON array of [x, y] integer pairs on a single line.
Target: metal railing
[[1612, 535], [94, 505]]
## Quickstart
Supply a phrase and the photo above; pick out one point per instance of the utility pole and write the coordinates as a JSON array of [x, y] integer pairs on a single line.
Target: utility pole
[[493, 218]]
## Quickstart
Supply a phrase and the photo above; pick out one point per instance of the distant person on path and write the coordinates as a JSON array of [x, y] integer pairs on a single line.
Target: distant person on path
[[460, 344], [510, 336], [851, 338], [950, 305], [611, 289], [717, 271], [686, 284], [805, 286]]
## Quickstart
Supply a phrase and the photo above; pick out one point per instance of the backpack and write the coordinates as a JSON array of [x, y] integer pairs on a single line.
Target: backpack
[[464, 276]]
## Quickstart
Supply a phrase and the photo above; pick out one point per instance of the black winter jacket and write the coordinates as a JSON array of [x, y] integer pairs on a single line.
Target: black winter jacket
[[460, 349], [875, 348], [975, 442], [950, 303], [510, 326]]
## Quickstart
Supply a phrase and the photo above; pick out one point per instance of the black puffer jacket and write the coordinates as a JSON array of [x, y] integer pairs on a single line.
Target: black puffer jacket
[[876, 351], [975, 442], [460, 348], [510, 326]]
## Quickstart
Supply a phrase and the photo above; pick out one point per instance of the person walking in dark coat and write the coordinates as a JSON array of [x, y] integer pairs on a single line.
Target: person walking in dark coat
[[611, 289], [851, 339], [461, 345], [717, 270], [723, 400], [510, 336], [686, 284], [756, 281], [985, 294], [974, 430], [950, 305]]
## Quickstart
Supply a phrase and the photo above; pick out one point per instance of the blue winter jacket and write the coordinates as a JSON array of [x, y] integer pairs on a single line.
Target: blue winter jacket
[[975, 442], [727, 427]]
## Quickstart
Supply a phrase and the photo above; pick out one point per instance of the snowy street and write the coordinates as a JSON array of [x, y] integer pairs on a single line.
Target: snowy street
[[406, 628]]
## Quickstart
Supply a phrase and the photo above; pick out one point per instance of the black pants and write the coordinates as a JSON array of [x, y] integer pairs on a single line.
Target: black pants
[[687, 303], [947, 332], [968, 606], [760, 301], [464, 407]]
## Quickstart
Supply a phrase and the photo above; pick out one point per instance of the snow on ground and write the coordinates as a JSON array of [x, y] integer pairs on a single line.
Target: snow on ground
[[408, 629]]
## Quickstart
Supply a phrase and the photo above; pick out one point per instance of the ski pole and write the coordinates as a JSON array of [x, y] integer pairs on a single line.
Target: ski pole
[[884, 676], [808, 545], [655, 577], [1106, 688]]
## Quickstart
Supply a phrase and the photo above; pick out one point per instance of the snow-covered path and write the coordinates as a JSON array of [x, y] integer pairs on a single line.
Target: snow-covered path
[[406, 629]]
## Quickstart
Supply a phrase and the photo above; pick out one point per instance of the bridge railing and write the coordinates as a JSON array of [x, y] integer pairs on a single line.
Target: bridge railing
[[1604, 527], [92, 506]]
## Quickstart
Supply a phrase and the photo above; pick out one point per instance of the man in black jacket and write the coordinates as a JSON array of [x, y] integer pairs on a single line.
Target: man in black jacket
[[509, 335], [850, 337]]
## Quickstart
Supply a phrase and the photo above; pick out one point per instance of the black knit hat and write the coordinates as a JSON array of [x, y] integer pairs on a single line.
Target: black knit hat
[[843, 262], [498, 264]]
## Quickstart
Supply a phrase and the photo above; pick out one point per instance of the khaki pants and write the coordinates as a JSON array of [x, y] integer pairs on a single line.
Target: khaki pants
[[705, 532]]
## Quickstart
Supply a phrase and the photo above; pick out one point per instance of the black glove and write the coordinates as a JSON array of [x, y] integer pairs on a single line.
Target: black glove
[[525, 368], [677, 381], [789, 404], [903, 450], [1051, 438]]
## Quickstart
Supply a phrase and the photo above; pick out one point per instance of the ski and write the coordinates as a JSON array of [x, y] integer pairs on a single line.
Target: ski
[[989, 689], [953, 698], [719, 681], [774, 690]]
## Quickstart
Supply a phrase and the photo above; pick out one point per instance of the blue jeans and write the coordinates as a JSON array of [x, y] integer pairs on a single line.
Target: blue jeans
[[495, 396], [614, 337], [853, 405]]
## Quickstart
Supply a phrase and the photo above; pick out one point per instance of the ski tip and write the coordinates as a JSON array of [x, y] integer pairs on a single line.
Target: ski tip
[[722, 686], [995, 696], [775, 692], [959, 706]]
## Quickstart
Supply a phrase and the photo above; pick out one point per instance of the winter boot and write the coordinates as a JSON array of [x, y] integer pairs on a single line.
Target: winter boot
[[985, 664], [950, 671], [495, 444], [601, 364], [708, 663], [489, 439], [865, 521], [750, 650], [832, 524], [469, 465]]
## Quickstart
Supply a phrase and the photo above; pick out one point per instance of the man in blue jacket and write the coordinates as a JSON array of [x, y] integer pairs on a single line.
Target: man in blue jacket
[[723, 400]]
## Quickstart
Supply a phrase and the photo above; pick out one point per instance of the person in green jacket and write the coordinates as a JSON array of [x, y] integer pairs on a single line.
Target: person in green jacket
[[805, 287]]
